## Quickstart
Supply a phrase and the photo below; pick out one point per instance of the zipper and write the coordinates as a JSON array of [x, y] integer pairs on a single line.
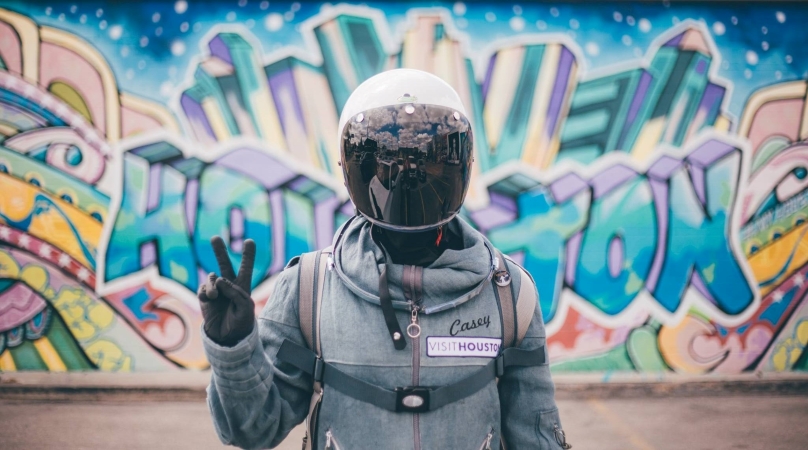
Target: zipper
[[487, 442], [416, 376], [330, 442], [414, 332]]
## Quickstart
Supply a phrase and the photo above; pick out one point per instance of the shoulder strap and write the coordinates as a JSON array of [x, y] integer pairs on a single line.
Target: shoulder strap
[[516, 310], [504, 294], [526, 302], [311, 280]]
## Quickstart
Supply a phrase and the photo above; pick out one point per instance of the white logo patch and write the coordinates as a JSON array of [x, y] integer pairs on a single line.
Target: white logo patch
[[478, 347]]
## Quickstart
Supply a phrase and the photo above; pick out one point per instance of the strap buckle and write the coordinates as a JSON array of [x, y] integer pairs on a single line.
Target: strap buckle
[[319, 366], [499, 366], [414, 399]]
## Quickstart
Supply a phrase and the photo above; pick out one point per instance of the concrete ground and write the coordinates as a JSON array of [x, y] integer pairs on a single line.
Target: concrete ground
[[713, 422]]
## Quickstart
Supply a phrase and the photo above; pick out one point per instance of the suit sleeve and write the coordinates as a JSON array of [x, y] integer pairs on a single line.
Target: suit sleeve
[[530, 418], [254, 400]]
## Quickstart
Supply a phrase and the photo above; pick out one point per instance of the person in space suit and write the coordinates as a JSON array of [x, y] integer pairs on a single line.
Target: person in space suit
[[411, 331]]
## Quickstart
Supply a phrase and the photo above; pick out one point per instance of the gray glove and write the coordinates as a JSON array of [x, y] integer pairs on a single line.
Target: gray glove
[[227, 309]]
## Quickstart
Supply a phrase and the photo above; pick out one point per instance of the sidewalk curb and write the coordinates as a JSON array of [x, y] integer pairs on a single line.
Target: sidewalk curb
[[108, 387], [703, 388], [667, 384], [100, 394], [190, 386]]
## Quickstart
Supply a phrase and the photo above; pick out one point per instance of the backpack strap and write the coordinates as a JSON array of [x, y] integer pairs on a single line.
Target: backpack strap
[[516, 311], [515, 315], [526, 302], [311, 281]]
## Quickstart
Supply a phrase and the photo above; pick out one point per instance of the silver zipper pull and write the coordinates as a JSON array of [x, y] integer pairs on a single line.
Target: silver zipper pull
[[328, 438], [561, 437], [413, 329], [488, 440]]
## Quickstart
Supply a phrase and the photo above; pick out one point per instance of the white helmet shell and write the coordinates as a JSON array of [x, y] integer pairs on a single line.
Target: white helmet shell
[[388, 87]]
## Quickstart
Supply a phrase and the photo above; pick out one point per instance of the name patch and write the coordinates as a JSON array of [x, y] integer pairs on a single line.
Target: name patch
[[478, 347]]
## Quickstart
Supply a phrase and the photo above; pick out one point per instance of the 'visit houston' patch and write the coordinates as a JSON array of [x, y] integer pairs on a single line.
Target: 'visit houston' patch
[[477, 347]]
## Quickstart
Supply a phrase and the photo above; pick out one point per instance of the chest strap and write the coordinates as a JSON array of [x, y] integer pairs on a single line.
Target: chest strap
[[414, 399]]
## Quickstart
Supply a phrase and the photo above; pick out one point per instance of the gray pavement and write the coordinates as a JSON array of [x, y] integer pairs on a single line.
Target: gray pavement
[[713, 422]]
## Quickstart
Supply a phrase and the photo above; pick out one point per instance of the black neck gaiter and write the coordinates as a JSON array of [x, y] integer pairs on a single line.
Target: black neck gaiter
[[417, 249]]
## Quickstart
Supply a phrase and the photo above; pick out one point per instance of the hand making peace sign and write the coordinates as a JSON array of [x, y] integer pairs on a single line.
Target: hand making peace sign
[[227, 309]]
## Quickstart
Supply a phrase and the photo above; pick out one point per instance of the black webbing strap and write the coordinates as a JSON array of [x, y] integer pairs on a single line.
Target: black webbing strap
[[408, 398], [300, 357], [386, 302]]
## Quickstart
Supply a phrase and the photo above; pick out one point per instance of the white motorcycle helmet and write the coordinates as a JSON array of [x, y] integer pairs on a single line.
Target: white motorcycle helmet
[[406, 150]]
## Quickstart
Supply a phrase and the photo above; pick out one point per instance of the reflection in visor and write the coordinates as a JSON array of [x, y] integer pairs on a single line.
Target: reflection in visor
[[407, 166]]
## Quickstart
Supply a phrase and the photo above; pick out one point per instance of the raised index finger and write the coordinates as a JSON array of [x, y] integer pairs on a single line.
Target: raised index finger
[[223, 258], [244, 279]]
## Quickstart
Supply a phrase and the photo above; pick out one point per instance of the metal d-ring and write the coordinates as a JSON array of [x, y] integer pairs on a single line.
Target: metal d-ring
[[416, 330]]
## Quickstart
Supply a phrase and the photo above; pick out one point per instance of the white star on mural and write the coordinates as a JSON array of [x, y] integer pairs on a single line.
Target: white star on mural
[[73, 119], [45, 251], [64, 260], [799, 280], [83, 274], [777, 297], [5, 233], [47, 102], [61, 110], [24, 241]]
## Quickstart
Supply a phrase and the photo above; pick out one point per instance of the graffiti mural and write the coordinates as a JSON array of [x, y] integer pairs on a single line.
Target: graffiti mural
[[647, 163]]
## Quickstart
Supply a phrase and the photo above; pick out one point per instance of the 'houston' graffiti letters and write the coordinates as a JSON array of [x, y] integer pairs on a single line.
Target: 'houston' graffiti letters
[[621, 231], [677, 232]]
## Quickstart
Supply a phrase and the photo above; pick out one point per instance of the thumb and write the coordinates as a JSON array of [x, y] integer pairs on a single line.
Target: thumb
[[207, 290], [210, 286]]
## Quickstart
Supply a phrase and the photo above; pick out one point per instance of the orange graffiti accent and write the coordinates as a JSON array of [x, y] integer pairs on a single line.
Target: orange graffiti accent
[[776, 262], [19, 202]]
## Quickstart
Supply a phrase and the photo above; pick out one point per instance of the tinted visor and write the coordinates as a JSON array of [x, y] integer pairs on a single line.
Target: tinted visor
[[407, 166]]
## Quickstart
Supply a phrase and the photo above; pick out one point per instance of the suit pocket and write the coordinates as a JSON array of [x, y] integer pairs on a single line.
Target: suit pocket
[[551, 435]]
